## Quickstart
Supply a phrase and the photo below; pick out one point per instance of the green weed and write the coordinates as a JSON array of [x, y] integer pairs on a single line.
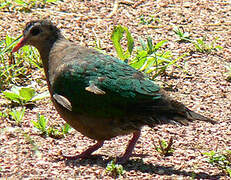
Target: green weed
[[41, 125], [17, 115], [149, 58], [165, 148], [66, 128], [15, 69], [203, 47], [5, 4], [116, 37], [114, 169], [182, 35], [146, 20], [23, 95], [222, 160], [3, 114], [200, 44], [58, 134], [24, 5]]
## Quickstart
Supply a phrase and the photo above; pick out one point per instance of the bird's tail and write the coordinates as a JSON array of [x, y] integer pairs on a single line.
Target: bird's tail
[[168, 110], [184, 115]]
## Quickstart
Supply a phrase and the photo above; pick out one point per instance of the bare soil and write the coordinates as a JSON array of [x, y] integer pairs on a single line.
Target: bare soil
[[204, 89]]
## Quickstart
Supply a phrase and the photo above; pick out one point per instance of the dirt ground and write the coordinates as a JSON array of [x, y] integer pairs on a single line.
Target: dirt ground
[[204, 90]]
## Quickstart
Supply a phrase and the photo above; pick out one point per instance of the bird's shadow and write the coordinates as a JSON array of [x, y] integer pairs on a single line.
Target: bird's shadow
[[139, 165]]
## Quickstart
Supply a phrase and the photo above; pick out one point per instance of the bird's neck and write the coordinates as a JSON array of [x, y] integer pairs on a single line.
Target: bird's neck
[[45, 50]]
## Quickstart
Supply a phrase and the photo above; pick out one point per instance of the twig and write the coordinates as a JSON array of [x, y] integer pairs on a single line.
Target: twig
[[115, 8], [138, 3]]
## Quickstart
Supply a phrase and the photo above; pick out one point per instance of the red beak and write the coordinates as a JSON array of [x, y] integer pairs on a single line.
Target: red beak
[[21, 43]]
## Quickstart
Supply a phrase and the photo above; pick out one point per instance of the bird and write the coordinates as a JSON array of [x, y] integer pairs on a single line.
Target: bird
[[99, 95]]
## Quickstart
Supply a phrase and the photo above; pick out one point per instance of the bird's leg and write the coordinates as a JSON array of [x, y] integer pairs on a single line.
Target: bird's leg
[[129, 148], [85, 153]]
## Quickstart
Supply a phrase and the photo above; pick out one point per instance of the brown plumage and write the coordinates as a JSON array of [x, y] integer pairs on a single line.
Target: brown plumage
[[99, 95]]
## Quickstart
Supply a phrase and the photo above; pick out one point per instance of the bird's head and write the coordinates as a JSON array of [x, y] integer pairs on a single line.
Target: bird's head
[[38, 33]]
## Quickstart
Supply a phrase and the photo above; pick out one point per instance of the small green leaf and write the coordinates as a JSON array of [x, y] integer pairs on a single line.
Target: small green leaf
[[3, 114], [66, 128], [36, 124], [130, 40], [149, 62], [17, 115], [116, 37], [20, 2], [27, 93], [139, 60], [143, 45], [50, 1], [55, 133], [12, 96], [150, 46], [5, 4], [218, 47], [160, 44], [228, 169], [23, 95], [41, 123], [8, 40], [114, 169]]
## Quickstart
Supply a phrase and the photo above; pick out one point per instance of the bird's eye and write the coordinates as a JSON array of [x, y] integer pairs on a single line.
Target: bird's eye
[[35, 31]]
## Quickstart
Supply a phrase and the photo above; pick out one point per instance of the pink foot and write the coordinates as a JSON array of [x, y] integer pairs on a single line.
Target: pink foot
[[86, 153], [129, 148]]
